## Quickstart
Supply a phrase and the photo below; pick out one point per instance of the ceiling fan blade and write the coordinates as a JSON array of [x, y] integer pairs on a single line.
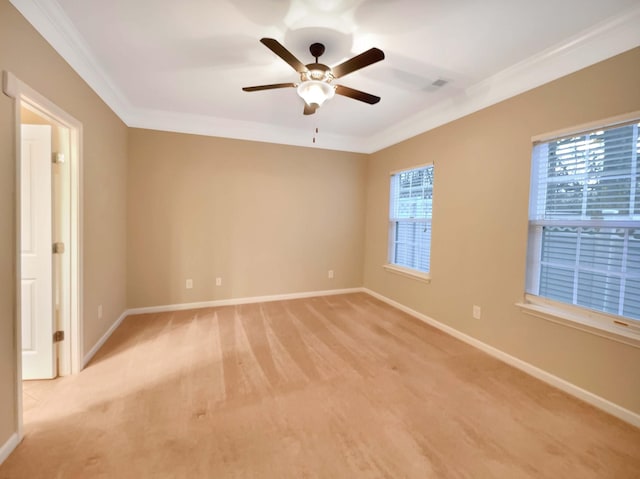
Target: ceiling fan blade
[[276, 47], [268, 87], [357, 94], [359, 61], [309, 110]]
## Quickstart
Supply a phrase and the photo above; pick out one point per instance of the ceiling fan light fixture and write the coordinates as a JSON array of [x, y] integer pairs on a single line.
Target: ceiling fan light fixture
[[315, 92]]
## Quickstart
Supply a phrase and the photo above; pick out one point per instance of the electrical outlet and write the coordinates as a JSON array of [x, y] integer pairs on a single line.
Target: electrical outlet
[[218, 281], [99, 311], [330, 274], [189, 284], [476, 312]]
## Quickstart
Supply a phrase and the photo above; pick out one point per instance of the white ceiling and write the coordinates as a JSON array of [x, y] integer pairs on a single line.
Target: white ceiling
[[179, 65]]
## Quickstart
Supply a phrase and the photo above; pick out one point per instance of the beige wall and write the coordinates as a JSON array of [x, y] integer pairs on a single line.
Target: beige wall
[[480, 209], [30, 58], [267, 219]]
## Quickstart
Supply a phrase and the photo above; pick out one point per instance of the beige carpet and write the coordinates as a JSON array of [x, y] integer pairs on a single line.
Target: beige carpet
[[333, 387]]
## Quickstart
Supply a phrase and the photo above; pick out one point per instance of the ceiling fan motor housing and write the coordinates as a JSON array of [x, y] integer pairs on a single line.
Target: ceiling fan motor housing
[[317, 71], [316, 49]]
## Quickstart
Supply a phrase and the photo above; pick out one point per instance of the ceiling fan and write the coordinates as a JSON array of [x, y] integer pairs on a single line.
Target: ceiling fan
[[315, 78]]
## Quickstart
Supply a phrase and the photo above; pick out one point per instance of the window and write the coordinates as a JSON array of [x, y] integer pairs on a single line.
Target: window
[[584, 221], [410, 218]]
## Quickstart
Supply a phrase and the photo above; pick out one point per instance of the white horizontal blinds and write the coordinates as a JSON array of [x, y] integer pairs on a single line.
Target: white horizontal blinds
[[585, 210], [592, 176], [410, 218]]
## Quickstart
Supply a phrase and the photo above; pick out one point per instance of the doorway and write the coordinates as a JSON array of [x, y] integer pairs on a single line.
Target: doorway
[[63, 254]]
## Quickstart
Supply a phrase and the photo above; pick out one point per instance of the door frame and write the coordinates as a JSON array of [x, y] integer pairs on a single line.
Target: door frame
[[25, 96]]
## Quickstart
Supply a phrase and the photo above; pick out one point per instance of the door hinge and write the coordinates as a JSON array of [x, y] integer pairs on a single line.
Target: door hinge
[[58, 336], [58, 158], [58, 248]]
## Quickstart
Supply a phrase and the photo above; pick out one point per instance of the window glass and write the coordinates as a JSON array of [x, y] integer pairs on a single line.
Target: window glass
[[584, 224], [410, 212]]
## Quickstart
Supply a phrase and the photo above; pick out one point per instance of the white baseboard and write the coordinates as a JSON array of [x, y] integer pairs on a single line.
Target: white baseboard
[[103, 339], [8, 447], [235, 301], [582, 394]]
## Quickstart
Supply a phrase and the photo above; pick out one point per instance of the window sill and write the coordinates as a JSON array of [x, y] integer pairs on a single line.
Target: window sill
[[409, 273], [601, 324]]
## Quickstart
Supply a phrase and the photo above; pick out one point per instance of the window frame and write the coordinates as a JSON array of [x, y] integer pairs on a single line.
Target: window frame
[[612, 326], [390, 266]]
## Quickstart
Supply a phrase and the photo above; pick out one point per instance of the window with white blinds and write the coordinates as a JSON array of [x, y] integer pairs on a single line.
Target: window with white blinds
[[584, 221], [410, 218]]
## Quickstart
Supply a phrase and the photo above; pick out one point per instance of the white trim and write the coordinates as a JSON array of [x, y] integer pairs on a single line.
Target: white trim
[[96, 347], [594, 322], [235, 301], [240, 130], [50, 20], [11, 87], [76, 251], [582, 394], [8, 447], [23, 94], [618, 120], [604, 40], [408, 273], [417, 167]]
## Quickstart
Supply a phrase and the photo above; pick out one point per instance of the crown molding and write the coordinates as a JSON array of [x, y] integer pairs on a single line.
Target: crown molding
[[602, 41], [239, 130], [48, 18]]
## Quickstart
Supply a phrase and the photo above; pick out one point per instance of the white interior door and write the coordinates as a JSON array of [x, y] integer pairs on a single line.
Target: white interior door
[[38, 360]]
